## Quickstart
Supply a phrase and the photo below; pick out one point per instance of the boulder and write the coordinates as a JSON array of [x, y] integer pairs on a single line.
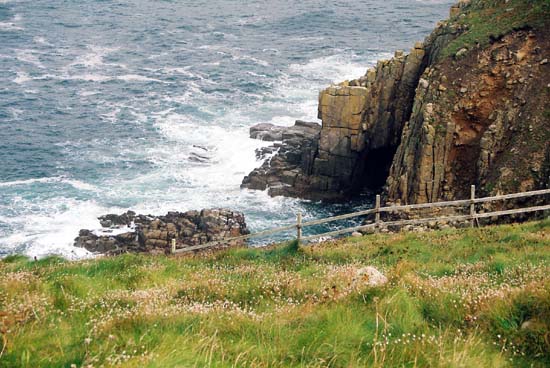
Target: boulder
[[369, 276], [266, 132]]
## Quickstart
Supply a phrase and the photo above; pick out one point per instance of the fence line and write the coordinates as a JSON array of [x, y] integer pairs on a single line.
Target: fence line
[[473, 216]]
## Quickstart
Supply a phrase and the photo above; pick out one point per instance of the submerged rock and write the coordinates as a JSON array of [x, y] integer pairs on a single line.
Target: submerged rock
[[129, 232]]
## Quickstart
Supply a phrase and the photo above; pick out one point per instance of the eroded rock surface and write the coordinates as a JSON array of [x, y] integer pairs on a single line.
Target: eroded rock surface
[[362, 121], [426, 125], [478, 120], [292, 158], [144, 233]]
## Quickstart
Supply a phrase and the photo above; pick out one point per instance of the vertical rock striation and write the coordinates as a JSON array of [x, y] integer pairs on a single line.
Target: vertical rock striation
[[362, 124], [482, 119], [466, 106]]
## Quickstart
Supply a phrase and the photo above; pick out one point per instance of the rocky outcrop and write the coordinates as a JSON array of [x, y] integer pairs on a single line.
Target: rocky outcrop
[[291, 159], [464, 107], [482, 119], [362, 122], [144, 233]]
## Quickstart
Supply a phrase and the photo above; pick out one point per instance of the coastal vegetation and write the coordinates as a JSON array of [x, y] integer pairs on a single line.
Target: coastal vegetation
[[489, 20], [455, 298]]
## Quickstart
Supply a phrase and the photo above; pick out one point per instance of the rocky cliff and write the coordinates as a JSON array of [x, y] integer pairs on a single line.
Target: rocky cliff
[[469, 105]]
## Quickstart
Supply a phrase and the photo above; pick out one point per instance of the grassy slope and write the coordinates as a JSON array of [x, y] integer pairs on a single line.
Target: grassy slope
[[491, 19], [455, 298]]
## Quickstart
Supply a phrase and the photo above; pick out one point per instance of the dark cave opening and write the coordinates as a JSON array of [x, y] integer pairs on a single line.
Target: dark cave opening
[[377, 164]]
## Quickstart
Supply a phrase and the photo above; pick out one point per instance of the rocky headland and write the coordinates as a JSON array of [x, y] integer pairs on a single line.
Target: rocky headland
[[469, 105], [133, 233]]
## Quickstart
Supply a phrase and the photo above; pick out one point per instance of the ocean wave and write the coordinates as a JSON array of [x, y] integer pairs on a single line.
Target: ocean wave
[[138, 78], [55, 179], [23, 77], [12, 24], [249, 58], [42, 41], [186, 72], [28, 56], [51, 227]]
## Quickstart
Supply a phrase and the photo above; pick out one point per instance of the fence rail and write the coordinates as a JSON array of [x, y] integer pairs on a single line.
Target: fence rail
[[473, 216]]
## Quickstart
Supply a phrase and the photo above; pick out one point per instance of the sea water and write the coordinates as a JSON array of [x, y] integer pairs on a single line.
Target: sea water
[[107, 106]]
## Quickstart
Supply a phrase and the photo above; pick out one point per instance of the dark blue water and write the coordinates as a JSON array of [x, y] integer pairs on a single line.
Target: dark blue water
[[104, 105]]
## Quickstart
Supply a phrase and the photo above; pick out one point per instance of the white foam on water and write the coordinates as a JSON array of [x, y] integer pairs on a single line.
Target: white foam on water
[[229, 151], [54, 179], [138, 78], [336, 68], [256, 74], [237, 56], [187, 72], [85, 93], [27, 181], [77, 184], [94, 58], [88, 77], [22, 77], [29, 56], [52, 227], [12, 25], [114, 231], [41, 40]]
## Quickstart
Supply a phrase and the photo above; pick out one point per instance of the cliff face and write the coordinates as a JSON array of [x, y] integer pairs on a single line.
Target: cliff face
[[467, 106], [362, 121], [482, 119]]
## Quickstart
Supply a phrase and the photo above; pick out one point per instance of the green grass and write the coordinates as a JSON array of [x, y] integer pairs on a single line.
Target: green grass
[[455, 298], [491, 19]]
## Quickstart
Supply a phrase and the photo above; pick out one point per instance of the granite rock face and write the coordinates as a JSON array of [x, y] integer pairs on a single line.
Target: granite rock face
[[362, 124], [425, 125], [479, 120], [153, 234]]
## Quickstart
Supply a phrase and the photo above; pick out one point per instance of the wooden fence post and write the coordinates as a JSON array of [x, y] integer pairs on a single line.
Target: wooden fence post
[[377, 213], [299, 227], [173, 246], [472, 205]]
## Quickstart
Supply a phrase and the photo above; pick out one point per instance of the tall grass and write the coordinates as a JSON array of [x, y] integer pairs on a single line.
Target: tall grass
[[455, 298]]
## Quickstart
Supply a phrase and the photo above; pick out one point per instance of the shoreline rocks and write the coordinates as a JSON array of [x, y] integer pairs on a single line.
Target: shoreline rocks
[[291, 159], [132, 233]]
